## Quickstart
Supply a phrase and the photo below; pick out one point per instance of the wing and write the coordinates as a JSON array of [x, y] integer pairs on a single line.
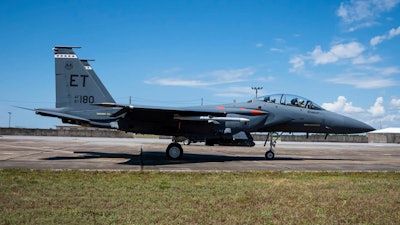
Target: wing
[[210, 113], [201, 121]]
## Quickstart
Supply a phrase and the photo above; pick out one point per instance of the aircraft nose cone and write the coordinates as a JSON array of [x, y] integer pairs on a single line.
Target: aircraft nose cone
[[354, 126]]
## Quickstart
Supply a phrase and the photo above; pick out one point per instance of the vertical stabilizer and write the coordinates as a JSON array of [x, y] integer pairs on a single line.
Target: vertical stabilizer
[[77, 85]]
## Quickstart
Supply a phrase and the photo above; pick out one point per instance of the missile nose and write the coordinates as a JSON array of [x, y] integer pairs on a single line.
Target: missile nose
[[355, 126]]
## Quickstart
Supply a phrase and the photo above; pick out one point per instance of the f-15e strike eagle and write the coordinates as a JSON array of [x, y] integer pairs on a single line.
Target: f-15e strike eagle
[[81, 98]]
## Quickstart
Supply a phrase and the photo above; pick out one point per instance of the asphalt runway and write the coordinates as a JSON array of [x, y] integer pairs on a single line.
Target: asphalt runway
[[149, 154]]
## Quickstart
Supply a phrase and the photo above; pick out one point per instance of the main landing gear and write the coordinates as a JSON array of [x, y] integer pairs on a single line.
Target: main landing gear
[[174, 151], [269, 155]]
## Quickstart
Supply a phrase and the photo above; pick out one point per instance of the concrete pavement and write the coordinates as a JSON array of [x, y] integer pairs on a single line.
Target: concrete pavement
[[149, 154]]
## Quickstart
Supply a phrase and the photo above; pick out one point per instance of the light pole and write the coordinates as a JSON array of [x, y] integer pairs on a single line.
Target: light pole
[[9, 119], [257, 88]]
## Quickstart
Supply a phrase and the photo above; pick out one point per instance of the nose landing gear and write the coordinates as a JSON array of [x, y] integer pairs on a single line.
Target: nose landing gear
[[270, 155]]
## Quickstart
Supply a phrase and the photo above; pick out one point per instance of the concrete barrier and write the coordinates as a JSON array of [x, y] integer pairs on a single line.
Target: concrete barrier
[[81, 132], [91, 132], [316, 138], [330, 138], [383, 138]]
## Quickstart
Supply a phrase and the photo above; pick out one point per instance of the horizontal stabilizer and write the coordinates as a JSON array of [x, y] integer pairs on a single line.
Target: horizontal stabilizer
[[52, 113], [112, 104]]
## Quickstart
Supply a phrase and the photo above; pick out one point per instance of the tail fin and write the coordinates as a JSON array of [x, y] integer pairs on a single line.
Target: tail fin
[[77, 85]]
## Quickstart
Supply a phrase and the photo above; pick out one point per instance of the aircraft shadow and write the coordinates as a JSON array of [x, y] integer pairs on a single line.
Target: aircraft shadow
[[153, 158], [93, 155]]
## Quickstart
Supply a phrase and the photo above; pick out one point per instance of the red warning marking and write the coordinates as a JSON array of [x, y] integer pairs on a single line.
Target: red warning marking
[[220, 107], [256, 112]]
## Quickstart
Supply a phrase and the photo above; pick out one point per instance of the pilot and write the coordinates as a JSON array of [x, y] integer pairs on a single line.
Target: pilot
[[301, 104], [294, 102], [308, 105]]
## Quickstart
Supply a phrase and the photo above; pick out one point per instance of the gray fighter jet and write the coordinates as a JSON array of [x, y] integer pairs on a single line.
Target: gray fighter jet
[[82, 99]]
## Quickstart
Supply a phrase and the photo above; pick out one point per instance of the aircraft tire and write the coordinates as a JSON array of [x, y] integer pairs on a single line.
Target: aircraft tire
[[269, 155], [187, 141], [174, 151]]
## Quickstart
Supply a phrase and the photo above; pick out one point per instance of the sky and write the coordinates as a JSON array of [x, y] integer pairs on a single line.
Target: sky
[[343, 55]]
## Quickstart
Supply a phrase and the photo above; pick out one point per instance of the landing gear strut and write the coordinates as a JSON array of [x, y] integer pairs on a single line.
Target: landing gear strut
[[269, 155], [174, 151]]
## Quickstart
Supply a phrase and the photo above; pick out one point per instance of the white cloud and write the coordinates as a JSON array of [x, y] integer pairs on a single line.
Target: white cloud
[[352, 50], [363, 81], [376, 40], [176, 82], [259, 45], [395, 102], [353, 11], [389, 70], [206, 79], [390, 120], [394, 32], [266, 79], [276, 49], [390, 34], [349, 50], [377, 109], [229, 76], [280, 40], [379, 71], [368, 77], [363, 13], [376, 115], [366, 60], [236, 92], [321, 57], [337, 52], [342, 106], [297, 63], [360, 73]]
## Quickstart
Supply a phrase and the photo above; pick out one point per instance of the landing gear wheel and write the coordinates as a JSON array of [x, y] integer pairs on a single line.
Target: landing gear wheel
[[174, 151], [187, 141], [270, 155]]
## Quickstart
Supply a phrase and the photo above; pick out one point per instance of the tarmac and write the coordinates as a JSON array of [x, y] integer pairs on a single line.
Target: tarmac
[[142, 154]]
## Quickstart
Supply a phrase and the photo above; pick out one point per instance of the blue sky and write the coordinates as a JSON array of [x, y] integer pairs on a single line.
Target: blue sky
[[344, 55]]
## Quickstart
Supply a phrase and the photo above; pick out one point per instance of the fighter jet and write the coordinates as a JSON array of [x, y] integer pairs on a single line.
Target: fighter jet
[[82, 99]]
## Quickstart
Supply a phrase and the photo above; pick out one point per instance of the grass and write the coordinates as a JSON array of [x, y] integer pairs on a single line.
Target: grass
[[86, 197]]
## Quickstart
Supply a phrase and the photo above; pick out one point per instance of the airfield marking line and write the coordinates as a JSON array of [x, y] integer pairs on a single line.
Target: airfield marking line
[[22, 156]]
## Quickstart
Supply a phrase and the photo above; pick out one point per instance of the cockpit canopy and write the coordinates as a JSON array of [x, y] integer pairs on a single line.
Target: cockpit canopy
[[290, 100]]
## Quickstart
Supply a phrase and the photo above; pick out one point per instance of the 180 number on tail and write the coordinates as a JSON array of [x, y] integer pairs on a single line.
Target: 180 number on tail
[[84, 99]]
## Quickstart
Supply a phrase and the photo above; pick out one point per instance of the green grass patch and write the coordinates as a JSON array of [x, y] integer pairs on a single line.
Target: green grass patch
[[82, 197]]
